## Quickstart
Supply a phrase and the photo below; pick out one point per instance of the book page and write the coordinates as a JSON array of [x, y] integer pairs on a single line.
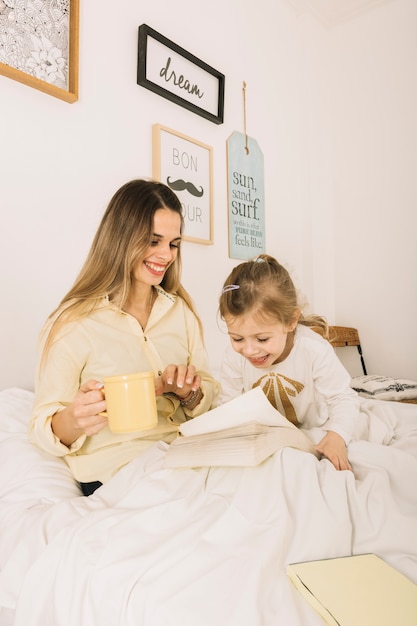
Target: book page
[[252, 406]]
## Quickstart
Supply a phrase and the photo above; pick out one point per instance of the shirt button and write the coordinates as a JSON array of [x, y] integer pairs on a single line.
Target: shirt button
[[145, 339]]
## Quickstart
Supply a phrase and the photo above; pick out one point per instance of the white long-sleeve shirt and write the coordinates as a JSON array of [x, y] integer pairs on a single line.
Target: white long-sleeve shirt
[[110, 342], [310, 387]]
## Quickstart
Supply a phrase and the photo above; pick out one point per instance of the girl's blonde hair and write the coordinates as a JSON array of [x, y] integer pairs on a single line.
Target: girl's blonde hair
[[122, 238], [264, 288]]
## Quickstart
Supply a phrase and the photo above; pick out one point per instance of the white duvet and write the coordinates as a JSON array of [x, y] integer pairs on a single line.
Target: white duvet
[[195, 547]]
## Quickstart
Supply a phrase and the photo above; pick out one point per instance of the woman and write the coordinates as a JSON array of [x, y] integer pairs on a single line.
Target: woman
[[126, 312]]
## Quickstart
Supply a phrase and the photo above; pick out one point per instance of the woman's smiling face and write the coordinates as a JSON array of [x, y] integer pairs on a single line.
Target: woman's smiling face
[[163, 250], [262, 343]]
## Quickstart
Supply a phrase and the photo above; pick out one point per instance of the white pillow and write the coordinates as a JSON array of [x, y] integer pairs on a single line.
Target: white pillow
[[28, 474], [383, 388]]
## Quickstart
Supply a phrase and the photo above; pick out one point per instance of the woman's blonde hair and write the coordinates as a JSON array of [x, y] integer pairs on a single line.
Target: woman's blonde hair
[[264, 288], [122, 238]]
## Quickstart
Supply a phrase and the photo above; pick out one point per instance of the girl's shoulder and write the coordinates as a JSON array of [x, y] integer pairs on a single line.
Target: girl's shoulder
[[307, 331], [308, 338]]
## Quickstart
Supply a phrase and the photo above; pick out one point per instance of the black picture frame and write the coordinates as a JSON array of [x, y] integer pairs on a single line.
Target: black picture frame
[[202, 89]]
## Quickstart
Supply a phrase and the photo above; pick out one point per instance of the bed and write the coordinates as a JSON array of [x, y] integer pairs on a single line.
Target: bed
[[204, 546]]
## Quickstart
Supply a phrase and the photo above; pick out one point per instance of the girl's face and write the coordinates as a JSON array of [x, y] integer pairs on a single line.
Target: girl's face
[[163, 250], [260, 342]]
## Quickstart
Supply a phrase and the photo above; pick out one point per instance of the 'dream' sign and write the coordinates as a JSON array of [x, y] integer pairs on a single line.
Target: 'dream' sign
[[246, 203]]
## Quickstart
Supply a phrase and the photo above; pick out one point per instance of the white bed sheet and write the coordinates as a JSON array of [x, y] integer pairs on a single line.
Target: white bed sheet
[[202, 546]]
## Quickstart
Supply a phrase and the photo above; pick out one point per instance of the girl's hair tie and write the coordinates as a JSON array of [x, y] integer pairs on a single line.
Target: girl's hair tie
[[230, 288]]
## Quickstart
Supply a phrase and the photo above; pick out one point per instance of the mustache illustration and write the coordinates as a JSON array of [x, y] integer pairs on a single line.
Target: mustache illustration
[[180, 185]]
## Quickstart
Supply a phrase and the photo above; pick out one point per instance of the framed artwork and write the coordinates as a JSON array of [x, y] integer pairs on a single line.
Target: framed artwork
[[185, 165], [39, 45], [173, 73]]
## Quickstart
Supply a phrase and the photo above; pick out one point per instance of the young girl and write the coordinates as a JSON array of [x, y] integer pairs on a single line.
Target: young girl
[[273, 345]]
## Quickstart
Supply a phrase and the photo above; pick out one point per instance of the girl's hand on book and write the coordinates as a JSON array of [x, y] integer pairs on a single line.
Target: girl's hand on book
[[333, 447]]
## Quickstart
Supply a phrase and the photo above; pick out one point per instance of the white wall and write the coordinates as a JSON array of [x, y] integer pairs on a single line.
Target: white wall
[[374, 129], [61, 163]]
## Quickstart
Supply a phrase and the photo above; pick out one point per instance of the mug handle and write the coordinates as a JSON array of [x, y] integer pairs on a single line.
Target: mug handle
[[103, 413]]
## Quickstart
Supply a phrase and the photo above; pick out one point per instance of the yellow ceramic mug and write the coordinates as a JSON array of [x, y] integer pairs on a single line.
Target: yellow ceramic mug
[[130, 402]]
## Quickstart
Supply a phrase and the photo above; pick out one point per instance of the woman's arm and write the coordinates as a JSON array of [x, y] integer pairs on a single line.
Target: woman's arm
[[64, 412], [209, 388]]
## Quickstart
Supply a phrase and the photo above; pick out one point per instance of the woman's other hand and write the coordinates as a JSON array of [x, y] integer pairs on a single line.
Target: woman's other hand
[[178, 379]]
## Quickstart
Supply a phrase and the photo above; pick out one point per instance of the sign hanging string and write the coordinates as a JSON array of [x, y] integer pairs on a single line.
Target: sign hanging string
[[244, 117]]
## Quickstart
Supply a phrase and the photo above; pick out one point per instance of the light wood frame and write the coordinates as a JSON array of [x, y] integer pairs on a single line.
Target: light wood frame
[[186, 166], [70, 94]]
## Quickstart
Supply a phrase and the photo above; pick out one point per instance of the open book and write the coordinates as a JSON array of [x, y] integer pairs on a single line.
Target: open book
[[359, 590], [242, 432]]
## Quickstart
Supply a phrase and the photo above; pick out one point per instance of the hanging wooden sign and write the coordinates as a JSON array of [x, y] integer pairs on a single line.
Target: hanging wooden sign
[[246, 203]]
